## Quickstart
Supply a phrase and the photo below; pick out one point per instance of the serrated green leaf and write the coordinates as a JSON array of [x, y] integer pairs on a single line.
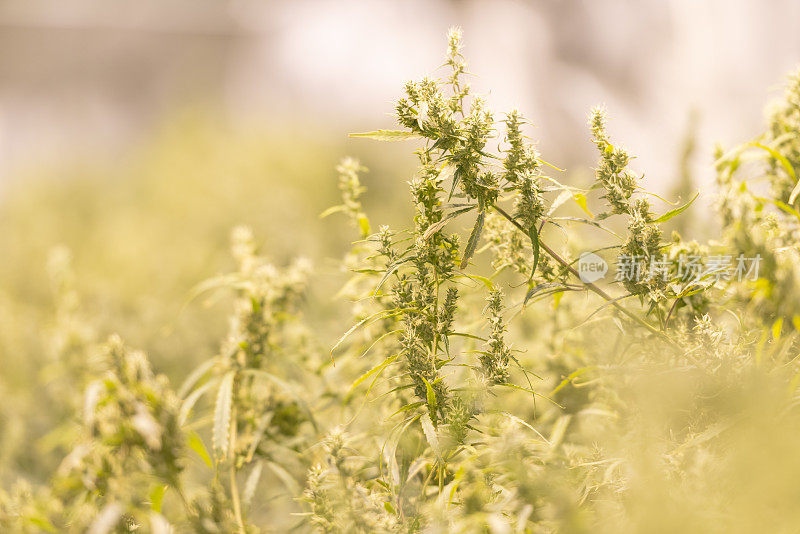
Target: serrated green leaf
[[474, 237], [672, 213], [482, 279], [528, 390], [780, 158], [430, 434], [591, 222], [222, 416], [435, 227], [387, 135]]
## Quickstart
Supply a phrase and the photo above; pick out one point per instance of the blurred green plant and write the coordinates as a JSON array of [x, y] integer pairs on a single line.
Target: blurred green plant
[[471, 394]]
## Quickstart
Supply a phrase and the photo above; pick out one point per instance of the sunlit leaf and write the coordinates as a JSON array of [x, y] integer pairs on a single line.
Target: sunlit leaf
[[387, 135], [196, 444], [677, 211], [222, 416]]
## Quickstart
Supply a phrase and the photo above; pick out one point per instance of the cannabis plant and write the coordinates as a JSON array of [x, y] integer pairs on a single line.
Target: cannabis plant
[[490, 376]]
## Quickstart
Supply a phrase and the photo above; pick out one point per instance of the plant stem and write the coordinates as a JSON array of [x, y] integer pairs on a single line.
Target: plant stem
[[589, 285]]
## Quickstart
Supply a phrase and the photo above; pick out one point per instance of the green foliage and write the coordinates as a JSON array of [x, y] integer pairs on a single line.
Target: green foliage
[[483, 384]]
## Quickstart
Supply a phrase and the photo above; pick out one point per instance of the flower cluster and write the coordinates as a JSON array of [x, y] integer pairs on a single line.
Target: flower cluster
[[351, 188], [339, 502], [522, 169], [495, 360], [619, 185], [132, 437]]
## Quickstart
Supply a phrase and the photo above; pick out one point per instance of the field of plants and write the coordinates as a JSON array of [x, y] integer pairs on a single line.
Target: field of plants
[[512, 350]]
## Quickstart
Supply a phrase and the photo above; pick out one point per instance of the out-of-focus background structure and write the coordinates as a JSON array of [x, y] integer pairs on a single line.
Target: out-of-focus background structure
[[89, 79]]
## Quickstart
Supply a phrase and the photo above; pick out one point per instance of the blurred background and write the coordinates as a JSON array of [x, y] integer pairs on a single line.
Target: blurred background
[[90, 79]]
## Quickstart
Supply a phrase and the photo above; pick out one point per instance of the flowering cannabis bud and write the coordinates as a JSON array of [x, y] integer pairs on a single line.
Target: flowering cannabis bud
[[351, 189], [495, 359], [644, 237], [618, 183], [267, 298], [447, 313], [642, 245], [456, 61], [133, 436], [339, 502]]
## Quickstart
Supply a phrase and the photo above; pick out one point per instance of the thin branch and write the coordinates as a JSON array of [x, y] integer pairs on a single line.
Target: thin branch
[[589, 285]]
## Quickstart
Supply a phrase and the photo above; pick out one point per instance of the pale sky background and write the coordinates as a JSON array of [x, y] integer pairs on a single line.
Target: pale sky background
[[92, 78]]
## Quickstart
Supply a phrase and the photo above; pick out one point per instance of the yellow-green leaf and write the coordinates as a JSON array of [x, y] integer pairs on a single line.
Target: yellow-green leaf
[[677, 211], [580, 199], [386, 135], [157, 497], [196, 444], [777, 326]]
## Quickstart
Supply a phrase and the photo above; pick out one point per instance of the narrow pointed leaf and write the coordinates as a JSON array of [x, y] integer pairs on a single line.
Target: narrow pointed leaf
[[222, 416], [252, 483], [196, 444], [157, 497], [677, 211], [559, 201], [377, 369], [191, 400], [194, 378], [430, 434], [431, 395], [537, 288], [387, 135], [474, 237], [286, 479], [435, 227], [580, 199]]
